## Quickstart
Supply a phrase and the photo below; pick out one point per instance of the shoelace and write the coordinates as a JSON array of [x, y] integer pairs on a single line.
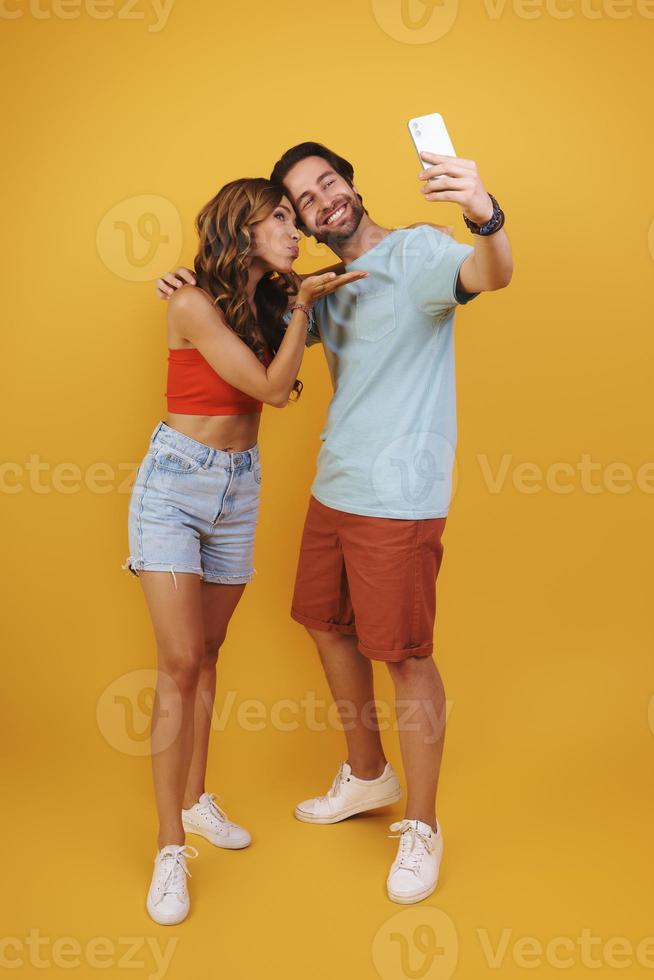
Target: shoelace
[[413, 845], [334, 789], [174, 880], [213, 810]]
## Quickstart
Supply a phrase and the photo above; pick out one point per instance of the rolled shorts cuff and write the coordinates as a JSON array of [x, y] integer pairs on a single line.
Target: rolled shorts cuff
[[320, 624], [397, 656]]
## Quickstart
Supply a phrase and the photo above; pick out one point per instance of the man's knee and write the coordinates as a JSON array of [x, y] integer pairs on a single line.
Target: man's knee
[[330, 639], [410, 667]]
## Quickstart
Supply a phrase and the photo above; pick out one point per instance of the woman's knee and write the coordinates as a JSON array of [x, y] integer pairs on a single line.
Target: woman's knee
[[182, 664], [212, 649]]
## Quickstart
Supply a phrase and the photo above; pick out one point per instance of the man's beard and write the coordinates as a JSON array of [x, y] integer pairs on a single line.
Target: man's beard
[[344, 232]]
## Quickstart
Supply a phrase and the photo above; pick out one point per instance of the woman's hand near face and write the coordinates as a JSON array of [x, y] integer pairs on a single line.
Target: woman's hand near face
[[313, 287]]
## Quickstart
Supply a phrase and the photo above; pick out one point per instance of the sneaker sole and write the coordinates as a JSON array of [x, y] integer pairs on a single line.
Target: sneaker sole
[[216, 843], [411, 900], [309, 818]]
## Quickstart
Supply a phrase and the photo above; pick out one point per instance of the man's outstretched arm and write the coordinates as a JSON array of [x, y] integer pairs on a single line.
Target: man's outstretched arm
[[447, 178]]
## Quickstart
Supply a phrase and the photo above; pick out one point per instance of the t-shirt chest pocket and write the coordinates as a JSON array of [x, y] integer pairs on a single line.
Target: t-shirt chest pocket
[[375, 313]]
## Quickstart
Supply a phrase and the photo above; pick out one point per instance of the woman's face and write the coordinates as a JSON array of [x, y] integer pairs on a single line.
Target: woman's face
[[277, 238]]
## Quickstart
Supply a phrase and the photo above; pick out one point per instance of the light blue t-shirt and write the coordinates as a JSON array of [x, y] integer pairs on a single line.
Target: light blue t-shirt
[[389, 439]]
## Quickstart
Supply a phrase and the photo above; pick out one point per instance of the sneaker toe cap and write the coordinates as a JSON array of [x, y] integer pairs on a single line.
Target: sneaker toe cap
[[310, 808], [169, 911], [239, 836]]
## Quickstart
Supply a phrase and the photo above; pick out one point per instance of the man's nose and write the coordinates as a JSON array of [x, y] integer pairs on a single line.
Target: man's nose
[[324, 204]]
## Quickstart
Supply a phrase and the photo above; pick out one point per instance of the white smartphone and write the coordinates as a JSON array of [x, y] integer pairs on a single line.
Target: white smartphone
[[430, 133]]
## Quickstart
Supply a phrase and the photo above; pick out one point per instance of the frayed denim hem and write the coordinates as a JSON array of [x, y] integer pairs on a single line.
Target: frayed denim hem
[[136, 565]]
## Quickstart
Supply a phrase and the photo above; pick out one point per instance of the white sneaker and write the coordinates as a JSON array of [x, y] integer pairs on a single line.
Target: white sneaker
[[207, 819], [414, 872], [168, 902], [348, 794]]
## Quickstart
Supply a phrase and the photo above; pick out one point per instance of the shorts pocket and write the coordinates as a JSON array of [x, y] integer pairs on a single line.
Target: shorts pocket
[[257, 473], [375, 313], [171, 460]]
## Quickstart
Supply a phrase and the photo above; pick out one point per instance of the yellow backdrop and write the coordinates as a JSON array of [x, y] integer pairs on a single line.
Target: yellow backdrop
[[121, 118]]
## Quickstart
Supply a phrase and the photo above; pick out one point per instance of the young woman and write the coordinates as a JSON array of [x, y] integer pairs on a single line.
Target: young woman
[[195, 500]]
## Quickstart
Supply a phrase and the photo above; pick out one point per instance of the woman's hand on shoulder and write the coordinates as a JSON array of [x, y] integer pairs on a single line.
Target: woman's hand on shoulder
[[171, 281]]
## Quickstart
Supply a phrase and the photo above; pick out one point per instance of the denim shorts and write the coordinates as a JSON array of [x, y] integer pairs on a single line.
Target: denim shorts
[[194, 509]]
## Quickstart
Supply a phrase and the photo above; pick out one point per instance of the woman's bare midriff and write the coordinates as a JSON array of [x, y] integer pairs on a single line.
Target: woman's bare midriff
[[230, 433]]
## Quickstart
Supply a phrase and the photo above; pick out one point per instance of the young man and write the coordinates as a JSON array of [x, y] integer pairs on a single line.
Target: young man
[[372, 540]]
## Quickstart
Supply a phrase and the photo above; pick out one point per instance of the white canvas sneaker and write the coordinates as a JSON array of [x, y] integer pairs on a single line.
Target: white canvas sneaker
[[414, 872], [208, 820], [348, 795], [168, 902]]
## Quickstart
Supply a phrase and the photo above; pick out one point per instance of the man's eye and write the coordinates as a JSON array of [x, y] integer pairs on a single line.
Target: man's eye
[[307, 203], [329, 183]]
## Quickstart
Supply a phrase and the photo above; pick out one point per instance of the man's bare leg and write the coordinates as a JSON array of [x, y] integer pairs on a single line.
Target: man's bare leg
[[420, 705], [349, 675]]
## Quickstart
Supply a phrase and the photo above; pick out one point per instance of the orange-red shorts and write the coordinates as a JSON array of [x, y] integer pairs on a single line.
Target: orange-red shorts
[[373, 577]]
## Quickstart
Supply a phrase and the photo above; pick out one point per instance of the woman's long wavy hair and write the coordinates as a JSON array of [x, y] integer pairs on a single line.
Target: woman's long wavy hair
[[226, 227]]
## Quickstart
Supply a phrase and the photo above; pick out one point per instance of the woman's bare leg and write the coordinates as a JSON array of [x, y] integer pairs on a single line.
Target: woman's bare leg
[[218, 603], [177, 617]]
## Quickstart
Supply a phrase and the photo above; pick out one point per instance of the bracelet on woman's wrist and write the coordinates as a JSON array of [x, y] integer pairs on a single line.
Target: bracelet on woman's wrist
[[304, 307]]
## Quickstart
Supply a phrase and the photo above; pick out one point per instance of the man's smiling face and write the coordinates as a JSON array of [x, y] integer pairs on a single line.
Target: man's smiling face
[[325, 203]]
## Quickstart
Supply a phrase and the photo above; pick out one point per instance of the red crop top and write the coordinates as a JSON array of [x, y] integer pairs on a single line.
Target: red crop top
[[194, 388]]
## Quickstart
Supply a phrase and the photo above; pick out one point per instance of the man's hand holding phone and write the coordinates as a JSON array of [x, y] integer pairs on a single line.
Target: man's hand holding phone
[[454, 179]]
